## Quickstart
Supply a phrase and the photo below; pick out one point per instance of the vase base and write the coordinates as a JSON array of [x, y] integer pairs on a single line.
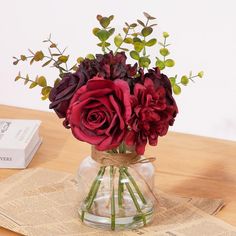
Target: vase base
[[126, 218]]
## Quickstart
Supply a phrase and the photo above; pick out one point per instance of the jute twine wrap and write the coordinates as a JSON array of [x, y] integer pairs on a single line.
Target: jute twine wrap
[[119, 159]]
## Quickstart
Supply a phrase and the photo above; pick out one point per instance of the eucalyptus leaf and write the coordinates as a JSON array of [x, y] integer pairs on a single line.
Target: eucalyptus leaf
[[105, 21], [148, 16], [46, 63], [111, 31], [118, 40], [176, 89], [141, 23], [144, 61], [103, 35], [164, 52], [184, 80], [146, 31], [160, 64], [128, 40], [134, 55], [33, 84], [169, 63], [151, 42], [138, 46], [95, 31], [41, 80]]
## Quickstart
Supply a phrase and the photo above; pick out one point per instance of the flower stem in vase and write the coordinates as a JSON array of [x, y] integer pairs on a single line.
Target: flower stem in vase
[[113, 211], [135, 201], [135, 185], [93, 191], [120, 189]]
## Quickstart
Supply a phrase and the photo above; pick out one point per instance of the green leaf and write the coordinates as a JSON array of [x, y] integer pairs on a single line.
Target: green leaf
[[134, 55], [90, 56], [31, 61], [200, 74], [79, 60], [103, 35], [111, 31], [128, 40], [146, 31], [23, 57], [41, 80], [46, 90], [136, 39], [169, 63], [148, 16], [111, 17], [46, 63], [172, 81], [105, 21], [138, 46], [99, 17], [144, 61], [17, 77], [45, 97], [164, 52], [176, 89], [57, 81], [141, 23], [126, 30], [165, 35], [26, 79], [95, 31], [33, 84], [38, 56], [151, 42], [184, 80], [160, 64], [118, 40], [63, 58], [133, 25]]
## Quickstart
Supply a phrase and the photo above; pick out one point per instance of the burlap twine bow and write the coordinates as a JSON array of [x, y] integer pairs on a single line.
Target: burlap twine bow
[[119, 159]]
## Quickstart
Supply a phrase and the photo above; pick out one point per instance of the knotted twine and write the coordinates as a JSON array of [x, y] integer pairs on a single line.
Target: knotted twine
[[119, 159]]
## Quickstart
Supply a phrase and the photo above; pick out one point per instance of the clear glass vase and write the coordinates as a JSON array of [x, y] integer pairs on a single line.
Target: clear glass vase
[[116, 197]]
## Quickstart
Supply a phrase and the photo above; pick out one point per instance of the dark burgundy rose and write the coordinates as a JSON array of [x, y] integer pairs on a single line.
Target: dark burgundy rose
[[160, 80], [62, 93], [99, 112], [108, 66], [153, 110]]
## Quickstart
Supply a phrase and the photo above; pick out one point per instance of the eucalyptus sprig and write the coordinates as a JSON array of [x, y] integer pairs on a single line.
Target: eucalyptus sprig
[[39, 81], [184, 80], [136, 39]]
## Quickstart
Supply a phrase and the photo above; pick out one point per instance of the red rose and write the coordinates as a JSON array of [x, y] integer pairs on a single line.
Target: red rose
[[152, 113], [99, 111]]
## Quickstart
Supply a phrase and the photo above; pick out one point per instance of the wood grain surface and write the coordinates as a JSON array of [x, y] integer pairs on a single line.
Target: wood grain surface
[[186, 165]]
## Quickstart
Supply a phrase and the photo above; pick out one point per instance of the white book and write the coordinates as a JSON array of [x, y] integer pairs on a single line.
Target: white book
[[19, 141]]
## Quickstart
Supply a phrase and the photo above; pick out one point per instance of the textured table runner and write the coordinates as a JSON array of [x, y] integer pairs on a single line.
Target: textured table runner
[[44, 202]]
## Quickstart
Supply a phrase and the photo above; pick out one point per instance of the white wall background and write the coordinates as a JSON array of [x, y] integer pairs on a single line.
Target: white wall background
[[203, 35]]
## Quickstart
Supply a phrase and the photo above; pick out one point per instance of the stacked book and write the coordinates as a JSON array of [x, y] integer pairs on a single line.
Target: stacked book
[[19, 141]]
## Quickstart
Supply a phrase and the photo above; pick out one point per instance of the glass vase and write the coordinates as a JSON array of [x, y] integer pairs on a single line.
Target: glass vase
[[116, 197]]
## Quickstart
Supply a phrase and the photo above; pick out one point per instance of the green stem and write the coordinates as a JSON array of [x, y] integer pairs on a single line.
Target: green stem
[[120, 189], [93, 190], [135, 201], [113, 211], [135, 186], [93, 185], [126, 34]]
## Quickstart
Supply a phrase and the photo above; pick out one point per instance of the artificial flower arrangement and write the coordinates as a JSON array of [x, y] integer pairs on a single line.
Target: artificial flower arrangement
[[118, 108]]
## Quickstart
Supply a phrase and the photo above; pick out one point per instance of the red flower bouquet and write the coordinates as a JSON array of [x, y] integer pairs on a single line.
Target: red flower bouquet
[[118, 108]]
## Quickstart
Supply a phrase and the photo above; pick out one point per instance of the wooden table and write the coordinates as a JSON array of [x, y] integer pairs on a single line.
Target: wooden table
[[187, 165]]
